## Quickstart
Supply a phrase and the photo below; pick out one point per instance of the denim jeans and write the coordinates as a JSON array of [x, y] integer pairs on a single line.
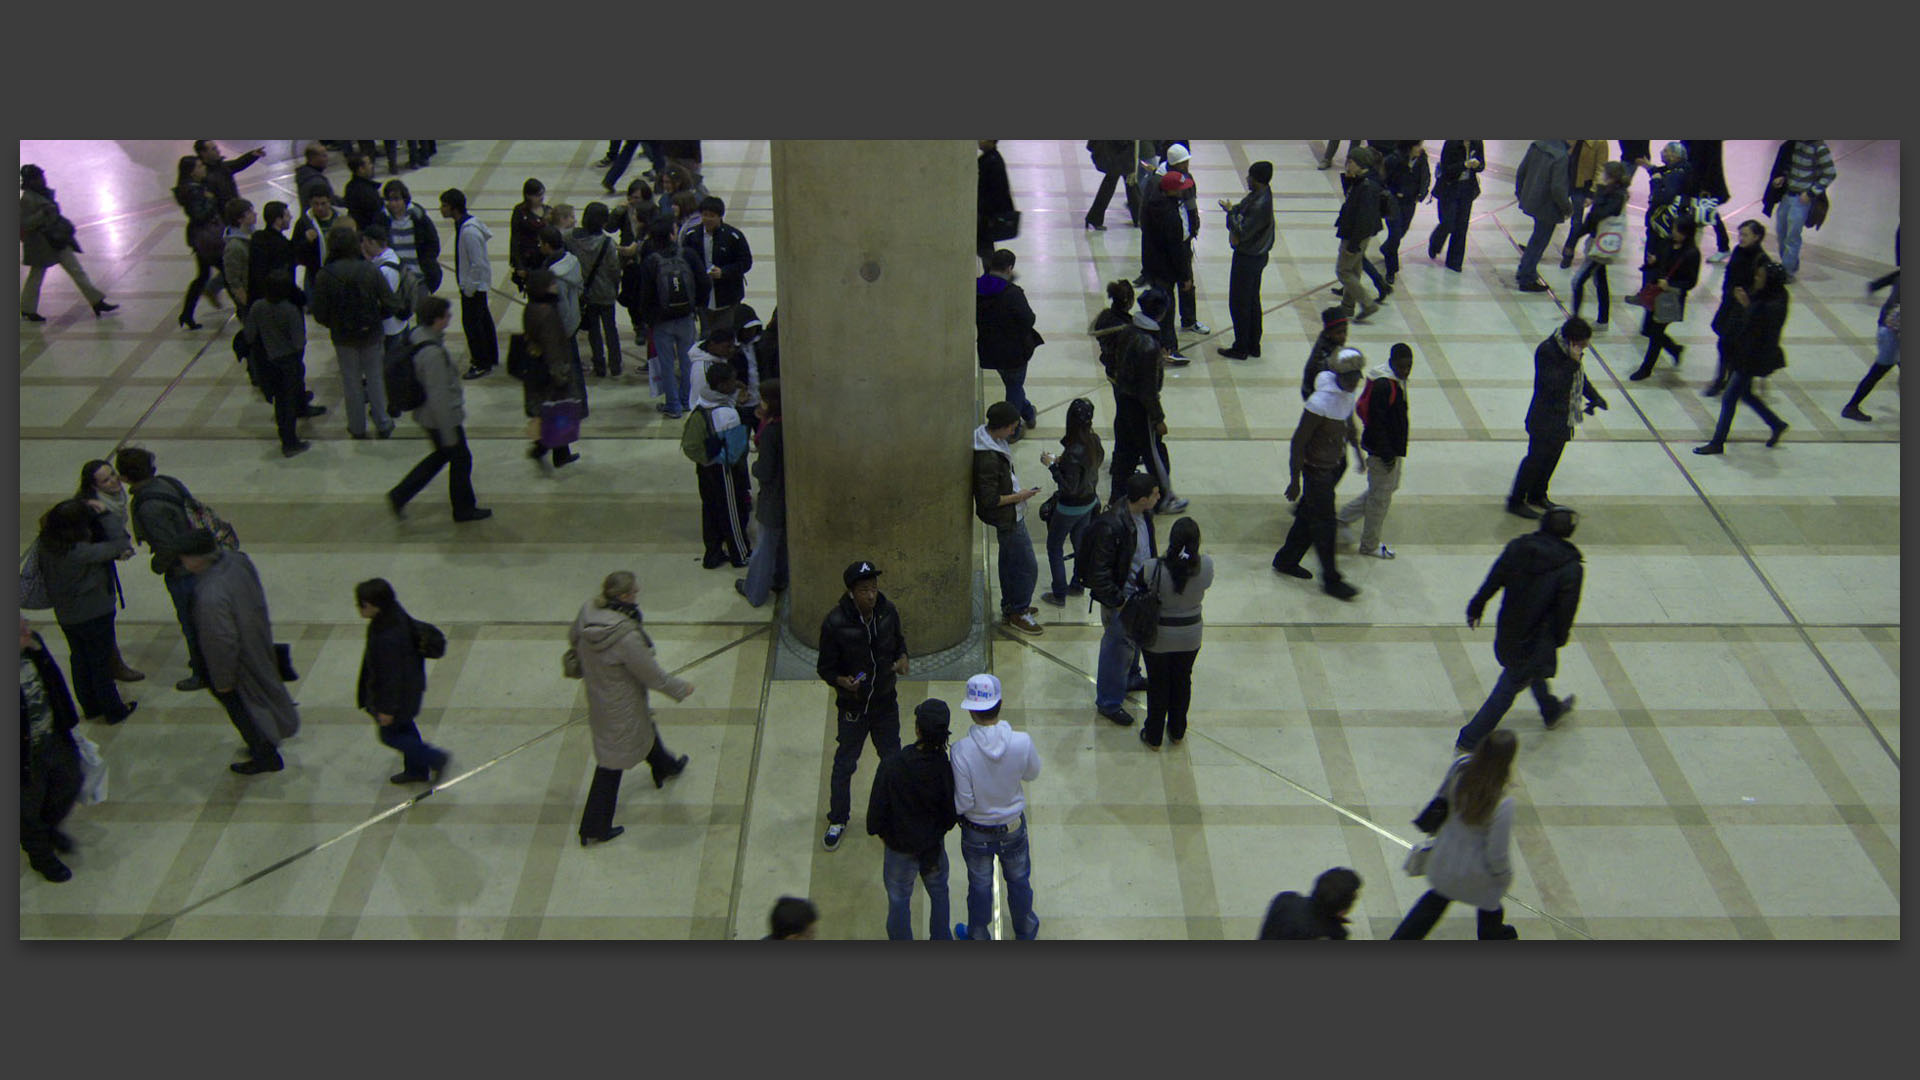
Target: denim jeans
[[1019, 570], [1015, 379], [1119, 661], [898, 871], [1505, 689], [674, 340], [767, 566], [1529, 270], [1427, 910], [1789, 218], [1597, 271], [180, 589], [1451, 233], [416, 755], [1740, 388], [1063, 528], [979, 848], [1888, 353]]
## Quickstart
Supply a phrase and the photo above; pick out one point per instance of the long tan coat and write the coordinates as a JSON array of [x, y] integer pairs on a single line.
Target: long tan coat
[[619, 669], [236, 637]]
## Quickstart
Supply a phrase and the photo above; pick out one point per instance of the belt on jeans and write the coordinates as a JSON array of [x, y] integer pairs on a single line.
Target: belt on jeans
[[977, 827], [1180, 620]]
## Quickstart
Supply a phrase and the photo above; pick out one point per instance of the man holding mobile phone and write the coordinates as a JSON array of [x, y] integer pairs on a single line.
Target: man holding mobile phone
[[862, 652], [999, 501]]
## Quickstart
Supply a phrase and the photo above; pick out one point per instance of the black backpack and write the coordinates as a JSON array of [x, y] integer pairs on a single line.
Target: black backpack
[[428, 640], [1140, 615], [673, 285], [404, 392]]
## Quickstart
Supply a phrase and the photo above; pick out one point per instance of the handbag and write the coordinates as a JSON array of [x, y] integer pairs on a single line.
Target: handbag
[[1609, 240], [33, 581], [1140, 614], [93, 770], [1001, 225], [1047, 508], [1417, 859], [560, 422], [1645, 297], [1669, 306], [570, 665], [1434, 816]]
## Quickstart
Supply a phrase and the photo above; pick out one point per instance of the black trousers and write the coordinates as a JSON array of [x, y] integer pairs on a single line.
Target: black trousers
[[1243, 301], [259, 747], [48, 790], [457, 459], [91, 662], [1169, 337], [881, 724], [1314, 526], [1427, 911], [476, 322], [1136, 443], [1451, 233], [203, 271], [604, 793], [1108, 181], [284, 380], [1169, 692], [1536, 469], [724, 508]]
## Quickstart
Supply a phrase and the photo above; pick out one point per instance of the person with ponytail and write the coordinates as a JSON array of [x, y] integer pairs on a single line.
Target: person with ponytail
[[1181, 575], [393, 682], [1471, 858], [1077, 471]]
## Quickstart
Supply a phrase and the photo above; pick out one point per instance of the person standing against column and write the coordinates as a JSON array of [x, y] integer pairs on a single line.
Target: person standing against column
[[990, 768], [767, 566], [1803, 170], [1382, 409], [708, 439], [1003, 330], [1471, 861], [236, 637], [1455, 187], [1001, 504], [995, 196], [1559, 382], [1541, 185], [393, 680], [47, 239], [911, 810], [49, 759], [617, 662], [443, 415], [863, 652], [1541, 574], [473, 274], [1319, 452], [1118, 545], [1250, 234]]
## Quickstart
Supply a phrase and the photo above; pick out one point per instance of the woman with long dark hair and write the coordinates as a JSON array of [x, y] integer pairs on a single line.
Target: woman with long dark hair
[[616, 660], [1077, 472], [1471, 861], [1755, 353], [1678, 277], [102, 489], [206, 232], [1727, 318], [1110, 327], [77, 547], [47, 239], [1609, 202], [1182, 575], [523, 232], [393, 680]]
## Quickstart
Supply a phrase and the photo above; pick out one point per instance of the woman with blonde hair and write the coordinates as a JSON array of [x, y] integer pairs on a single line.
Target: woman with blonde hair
[[1470, 861], [616, 659]]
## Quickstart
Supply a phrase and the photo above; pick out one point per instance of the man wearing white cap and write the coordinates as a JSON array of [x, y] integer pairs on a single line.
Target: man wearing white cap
[[1326, 424], [989, 767]]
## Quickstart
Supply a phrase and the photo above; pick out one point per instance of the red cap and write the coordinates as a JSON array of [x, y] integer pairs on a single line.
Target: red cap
[[1175, 182]]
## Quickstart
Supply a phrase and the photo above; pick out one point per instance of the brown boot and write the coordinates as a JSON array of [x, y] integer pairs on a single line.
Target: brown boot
[[123, 673]]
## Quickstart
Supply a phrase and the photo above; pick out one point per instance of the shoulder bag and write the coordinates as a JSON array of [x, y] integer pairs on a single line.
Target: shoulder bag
[[1140, 614]]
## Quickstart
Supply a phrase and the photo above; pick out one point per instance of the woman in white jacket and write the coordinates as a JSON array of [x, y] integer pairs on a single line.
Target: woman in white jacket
[[617, 662], [1470, 859]]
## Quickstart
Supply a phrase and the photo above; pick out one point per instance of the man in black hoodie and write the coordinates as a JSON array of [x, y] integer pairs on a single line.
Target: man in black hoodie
[[911, 810], [862, 652], [1292, 917], [1541, 574]]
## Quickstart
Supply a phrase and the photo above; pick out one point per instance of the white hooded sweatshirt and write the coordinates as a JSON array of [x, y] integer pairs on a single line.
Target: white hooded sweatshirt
[[984, 441], [988, 768]]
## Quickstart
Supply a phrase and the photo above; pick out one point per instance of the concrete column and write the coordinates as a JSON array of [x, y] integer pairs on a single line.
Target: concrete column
[[875, 241]]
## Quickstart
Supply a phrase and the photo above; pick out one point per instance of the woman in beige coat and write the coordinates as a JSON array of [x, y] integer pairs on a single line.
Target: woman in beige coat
[[616, 660]]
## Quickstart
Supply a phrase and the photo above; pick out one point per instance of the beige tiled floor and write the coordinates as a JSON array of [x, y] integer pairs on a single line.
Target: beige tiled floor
[[1731, 772]]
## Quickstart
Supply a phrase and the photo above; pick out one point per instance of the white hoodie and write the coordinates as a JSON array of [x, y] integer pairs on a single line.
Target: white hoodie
[[988, 768], [1329, 400], [984, 441]]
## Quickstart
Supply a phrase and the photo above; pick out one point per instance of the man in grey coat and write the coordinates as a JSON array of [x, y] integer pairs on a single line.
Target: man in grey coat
[[443, 415], [350, 297], [1542, 185], [236, 639]]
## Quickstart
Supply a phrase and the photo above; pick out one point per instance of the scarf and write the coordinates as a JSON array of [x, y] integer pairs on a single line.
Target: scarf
[[631, 611], [1329, 400], [1574, 389]]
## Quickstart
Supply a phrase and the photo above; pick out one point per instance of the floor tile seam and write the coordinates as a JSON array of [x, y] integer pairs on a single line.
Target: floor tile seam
[[753, 775]]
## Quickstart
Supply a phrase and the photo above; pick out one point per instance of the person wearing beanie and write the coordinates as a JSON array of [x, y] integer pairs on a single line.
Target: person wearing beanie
[[1361, 218], [999, 501], [990, 767], [911, 810], [1250, 234], [863, 651], [236, 642], [1382, 408], [1321, 916], [1541, 574], [1318, 452], [1333, 338], [1559, 382]]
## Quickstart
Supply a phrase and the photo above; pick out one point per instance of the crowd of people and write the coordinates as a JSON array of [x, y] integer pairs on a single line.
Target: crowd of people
[[366, 266]]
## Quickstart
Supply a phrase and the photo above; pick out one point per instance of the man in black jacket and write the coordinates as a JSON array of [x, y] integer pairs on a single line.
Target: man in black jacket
[[1117, 547], [911, 810], [1250, 234], [1557, 379], [1383, 410], [724, 252], [268, 249], [1407, 180], [1003, 330], [1322, 916], [49, 759], [1541, 574], [1166, 254], [1114, 158], [1319, 452], [1360, 218], [1139, 421], [863, 651], [995, 194], [220, 170], [1000, 503]]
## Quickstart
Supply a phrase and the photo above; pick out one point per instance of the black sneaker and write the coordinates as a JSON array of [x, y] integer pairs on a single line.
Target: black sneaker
[[1520, 509], [409, 778], [1294, 570], [477, 373], [254, 766], [1119, 716], [190, 684], [1560, 712], [1340, 590], [1053, 599]]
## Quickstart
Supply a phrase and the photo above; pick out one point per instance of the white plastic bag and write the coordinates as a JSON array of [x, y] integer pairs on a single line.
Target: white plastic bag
[[93, 771]]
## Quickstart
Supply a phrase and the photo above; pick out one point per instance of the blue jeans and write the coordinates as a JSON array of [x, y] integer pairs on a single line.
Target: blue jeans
[[1789, 218], [767, 566], [1504, 691], [1889, 352], [1119, 660], [1019, 570], [1062, 528], [673, 339], [622, 156], [899, 872], [978, 848], [1740, 388], [180, 589], [1015, 379], [416, 754], [1529, 270]]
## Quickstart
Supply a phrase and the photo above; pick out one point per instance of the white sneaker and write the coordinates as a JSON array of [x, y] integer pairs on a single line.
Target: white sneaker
[[831, 841], [1381, 552]]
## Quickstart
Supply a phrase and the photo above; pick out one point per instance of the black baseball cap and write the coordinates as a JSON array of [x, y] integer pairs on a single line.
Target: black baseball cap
[[859, 571]]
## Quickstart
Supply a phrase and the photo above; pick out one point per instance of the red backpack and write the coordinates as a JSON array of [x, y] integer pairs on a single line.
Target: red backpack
[[1393, 395]]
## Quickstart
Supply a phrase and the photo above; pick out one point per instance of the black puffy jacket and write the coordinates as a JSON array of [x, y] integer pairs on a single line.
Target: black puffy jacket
[[1541, 574], [1293, 917], [393, 674], [1107, 554], [849, 646]]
